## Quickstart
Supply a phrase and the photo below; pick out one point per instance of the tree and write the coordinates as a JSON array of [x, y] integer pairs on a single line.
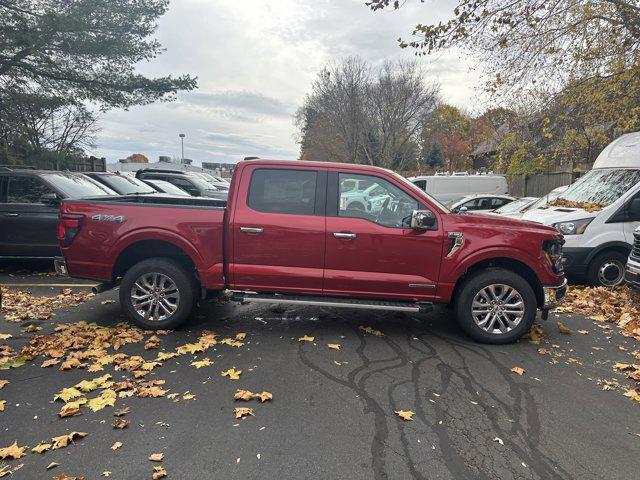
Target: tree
[[434, 158], [449, 127], [85, 50], [362, 115]]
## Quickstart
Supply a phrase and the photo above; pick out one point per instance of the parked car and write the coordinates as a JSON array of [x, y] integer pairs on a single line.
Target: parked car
[[166, 187], [448, 188], [29, 208], [481, 203], [193, 184], [122, 184], [599, 213], [632, 275], [516, 208], [287, 236], [222, 186], [549, 197]]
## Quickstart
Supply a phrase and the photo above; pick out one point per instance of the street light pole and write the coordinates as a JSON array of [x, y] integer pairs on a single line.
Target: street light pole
[[182, 135]]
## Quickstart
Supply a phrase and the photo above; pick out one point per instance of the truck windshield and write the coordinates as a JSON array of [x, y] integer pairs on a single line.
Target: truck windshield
[[602, 186], [76, 185]]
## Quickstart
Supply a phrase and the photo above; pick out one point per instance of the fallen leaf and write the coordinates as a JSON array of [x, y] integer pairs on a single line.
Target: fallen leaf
[[518, 370], [243, 412], [405, 415], [52, 465], [13, 451], [63, 440], [106, 473], [371, 331], [335, 346], [205, 362], [120, 423], [232, 373], [42, 447], [264, 396], [49, 363], [563, 329], [241, 336], [116, 446], [245, 395], [584, 332], [107, 398], [306, 338], [62, 476], [5, 336], [158, 472], [188, 396], [499, 440], [156, 457], [2, 403], [3, 383]]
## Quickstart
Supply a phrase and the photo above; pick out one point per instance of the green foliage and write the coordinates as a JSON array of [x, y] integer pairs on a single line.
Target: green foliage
[[434, 158], [85, 49]]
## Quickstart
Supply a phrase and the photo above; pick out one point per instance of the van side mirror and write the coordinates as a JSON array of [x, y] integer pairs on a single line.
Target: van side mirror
[[423, 220], [634, 209], [50, 199]]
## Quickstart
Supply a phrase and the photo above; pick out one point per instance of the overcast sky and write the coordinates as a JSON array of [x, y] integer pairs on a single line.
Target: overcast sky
[[255, 60]]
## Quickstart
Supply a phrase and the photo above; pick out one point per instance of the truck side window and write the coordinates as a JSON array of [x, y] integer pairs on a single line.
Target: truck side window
[[23, 189], [381, 202], [279, 190]]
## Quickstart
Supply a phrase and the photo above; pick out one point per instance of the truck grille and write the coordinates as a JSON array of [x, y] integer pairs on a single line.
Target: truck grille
[[635, 252]]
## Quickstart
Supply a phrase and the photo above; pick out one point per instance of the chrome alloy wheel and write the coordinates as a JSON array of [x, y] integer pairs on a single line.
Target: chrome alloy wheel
[[611, 273], [155, 296], [497, 308]]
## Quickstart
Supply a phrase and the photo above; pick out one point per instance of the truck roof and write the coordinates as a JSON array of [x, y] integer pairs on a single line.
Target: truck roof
[[623, 152], [352, 166]]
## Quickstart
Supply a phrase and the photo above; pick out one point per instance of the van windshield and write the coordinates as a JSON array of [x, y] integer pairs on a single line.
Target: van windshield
[[602, 186]]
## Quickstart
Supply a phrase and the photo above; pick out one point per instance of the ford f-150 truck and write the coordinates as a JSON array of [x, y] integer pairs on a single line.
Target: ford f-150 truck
[[287, 234]]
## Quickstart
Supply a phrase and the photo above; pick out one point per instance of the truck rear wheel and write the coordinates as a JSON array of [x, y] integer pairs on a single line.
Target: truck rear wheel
[[157, 293], [496, 306]]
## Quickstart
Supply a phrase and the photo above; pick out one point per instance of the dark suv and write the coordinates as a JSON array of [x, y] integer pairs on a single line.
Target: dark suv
[[122, 183], [29, 209], [190, 182]]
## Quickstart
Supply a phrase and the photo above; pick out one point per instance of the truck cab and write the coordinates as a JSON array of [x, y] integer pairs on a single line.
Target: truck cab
[[598, 214]]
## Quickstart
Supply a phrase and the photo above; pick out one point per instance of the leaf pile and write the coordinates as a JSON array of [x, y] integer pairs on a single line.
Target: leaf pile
[[620, 305], [586, 206], [20, 306]]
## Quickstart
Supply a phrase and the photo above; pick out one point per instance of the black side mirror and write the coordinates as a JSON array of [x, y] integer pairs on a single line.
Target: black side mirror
[[634, 209], [50, 199], [423, 220]]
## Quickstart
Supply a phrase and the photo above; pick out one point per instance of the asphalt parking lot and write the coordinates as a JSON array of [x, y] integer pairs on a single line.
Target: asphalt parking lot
[[332, 413]]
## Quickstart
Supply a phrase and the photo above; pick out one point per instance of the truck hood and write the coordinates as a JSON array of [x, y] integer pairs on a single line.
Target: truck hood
[[551, 215], [499, 222]]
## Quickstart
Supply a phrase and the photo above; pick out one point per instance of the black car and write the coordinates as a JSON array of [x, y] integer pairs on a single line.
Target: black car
[[29, 202], [166, 187], [187, 181], [122, 183]]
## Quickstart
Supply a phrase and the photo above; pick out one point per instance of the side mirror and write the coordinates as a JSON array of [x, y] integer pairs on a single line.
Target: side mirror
[[634, 209], [50, 199], [423, 220]]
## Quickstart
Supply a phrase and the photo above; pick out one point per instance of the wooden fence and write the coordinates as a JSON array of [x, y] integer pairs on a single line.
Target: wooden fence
[[538, 184]]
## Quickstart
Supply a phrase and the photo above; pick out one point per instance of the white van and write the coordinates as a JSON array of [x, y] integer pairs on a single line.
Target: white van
[[449, 188], [600, 212]]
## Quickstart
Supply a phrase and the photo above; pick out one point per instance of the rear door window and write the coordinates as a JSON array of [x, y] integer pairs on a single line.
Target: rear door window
[[278, 190], [25, 189]]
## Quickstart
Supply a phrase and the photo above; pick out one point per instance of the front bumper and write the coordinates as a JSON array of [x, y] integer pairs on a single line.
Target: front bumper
[[553, 295], [60, 265], [576, 260], [632, 273]]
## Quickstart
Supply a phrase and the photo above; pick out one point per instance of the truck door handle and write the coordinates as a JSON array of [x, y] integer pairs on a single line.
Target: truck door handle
[[11, 214], [344, 235], [251, 229]]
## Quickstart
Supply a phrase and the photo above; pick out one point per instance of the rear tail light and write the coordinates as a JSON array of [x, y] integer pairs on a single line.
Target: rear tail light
[[68, 228]]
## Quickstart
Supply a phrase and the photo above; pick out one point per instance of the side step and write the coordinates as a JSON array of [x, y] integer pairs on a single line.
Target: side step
[[341, 302]]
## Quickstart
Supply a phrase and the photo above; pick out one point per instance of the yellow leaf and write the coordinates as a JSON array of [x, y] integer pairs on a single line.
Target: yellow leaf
[[86, 386], [264, 396], [244, 395], [67, 394], [188, 396], [520, 371], [306, 338], [49, 363], [405, 415], [156, 457], [5, 336], [63, 440], [241, 336], [191, 348], [584, 332], [205, 362], [13, 451], [3, 383], [106, 473], [243, 412], [158, 472], [2, 402], [371, 331], [41, 447], [232, 373], [231, 342], [116, 446], [563, 329], [107, 398], [335, 346]]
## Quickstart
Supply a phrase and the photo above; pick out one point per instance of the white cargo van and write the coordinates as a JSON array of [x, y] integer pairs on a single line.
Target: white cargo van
[[449, 188], [600, 212]]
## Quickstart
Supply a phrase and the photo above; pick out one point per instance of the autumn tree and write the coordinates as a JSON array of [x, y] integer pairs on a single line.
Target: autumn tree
[[451, 129], [358, 114]]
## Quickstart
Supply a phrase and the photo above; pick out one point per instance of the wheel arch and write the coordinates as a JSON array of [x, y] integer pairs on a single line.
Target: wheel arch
[[617, 246], [140, 250]]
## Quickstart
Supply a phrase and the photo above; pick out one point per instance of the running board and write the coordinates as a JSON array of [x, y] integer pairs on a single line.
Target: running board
[[340, 302]]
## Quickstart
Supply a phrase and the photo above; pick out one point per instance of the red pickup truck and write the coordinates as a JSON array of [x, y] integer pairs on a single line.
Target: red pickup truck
[[293, 232]]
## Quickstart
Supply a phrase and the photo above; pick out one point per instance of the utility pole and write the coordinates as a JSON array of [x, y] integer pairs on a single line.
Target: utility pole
[[182, 135]]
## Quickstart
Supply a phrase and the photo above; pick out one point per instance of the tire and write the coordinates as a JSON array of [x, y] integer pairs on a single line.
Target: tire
[[521, 308], [176, 304], [607, 269]]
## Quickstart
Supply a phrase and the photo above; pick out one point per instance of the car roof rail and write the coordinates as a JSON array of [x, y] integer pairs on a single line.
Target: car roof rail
[[164, 170], [9, 168]]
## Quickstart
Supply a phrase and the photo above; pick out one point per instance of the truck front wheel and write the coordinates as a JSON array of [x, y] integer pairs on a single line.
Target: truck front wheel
[[496, 306], [157, 293]]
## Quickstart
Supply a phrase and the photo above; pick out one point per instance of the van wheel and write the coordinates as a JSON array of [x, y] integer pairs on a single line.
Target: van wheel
[[496, 306], [158, 293], [607, 269]]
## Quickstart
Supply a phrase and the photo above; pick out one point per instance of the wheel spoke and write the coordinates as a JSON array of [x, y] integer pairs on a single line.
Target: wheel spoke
[[155, 296], [497, 308]]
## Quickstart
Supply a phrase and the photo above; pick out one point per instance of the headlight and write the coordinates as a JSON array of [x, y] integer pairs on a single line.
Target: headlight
[[575, 227], [553, 251]]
